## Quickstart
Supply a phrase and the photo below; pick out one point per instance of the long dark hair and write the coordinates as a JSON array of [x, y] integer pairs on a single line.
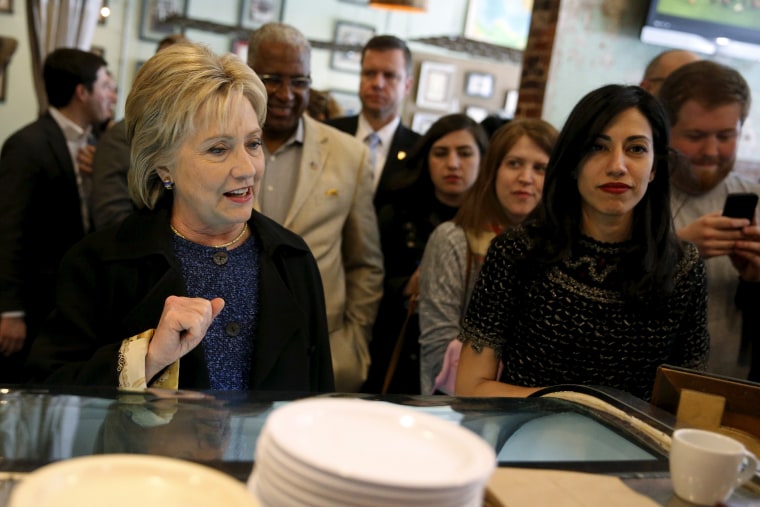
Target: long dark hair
[[418, 156], [648, 265]]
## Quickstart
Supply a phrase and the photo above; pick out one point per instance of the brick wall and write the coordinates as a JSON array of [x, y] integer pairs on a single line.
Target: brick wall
[[536, 58]]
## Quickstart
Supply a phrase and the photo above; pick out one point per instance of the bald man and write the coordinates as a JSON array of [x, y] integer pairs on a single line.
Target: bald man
[[662, 65]]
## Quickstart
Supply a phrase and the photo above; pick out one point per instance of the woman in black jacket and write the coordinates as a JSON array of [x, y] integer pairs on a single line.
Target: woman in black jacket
[[195, 290]]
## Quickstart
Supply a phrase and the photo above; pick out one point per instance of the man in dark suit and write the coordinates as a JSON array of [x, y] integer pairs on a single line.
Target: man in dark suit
[[43, 205], [386, 78]]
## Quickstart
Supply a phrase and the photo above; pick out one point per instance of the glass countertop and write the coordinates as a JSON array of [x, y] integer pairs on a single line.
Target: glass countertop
[[39, 426]]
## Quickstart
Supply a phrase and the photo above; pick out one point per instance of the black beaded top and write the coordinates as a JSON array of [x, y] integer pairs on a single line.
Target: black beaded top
[[571, 323], [232, 275]]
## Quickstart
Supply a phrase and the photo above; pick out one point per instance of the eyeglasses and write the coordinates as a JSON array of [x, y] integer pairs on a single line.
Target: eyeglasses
[[275, 81]]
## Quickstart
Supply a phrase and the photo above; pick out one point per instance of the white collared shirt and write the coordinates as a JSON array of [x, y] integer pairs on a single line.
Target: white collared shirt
[[278, 185], [76, 138], [386, 137]]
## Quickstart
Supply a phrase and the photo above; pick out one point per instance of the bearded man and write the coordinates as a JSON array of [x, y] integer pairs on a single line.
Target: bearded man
[[707, 104]]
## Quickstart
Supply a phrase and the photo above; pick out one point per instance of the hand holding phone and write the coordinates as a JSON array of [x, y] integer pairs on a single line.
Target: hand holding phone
[[740, 206]]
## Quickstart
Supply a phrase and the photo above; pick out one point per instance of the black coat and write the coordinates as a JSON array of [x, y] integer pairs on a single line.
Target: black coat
[[113, 286], [405, 227], [396, 175], [40, 219]]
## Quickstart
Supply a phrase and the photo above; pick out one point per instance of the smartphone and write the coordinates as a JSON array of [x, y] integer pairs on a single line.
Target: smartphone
[[740, 206]]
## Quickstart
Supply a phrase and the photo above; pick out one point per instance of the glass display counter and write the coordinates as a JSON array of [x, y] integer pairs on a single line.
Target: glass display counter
[[562, 428]]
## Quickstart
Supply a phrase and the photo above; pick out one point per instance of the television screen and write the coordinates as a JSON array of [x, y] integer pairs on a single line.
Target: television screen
[[726, 27]]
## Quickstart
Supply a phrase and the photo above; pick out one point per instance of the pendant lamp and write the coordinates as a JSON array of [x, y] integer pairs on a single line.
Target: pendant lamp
[[400, 5]]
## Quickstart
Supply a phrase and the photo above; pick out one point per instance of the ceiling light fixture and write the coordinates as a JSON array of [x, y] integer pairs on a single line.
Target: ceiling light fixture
[[400, 5]]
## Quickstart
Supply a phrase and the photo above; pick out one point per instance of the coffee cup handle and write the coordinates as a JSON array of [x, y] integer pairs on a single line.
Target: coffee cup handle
[[749, 470]]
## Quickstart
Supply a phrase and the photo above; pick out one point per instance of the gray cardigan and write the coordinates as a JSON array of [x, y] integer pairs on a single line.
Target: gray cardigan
[[443, 297]]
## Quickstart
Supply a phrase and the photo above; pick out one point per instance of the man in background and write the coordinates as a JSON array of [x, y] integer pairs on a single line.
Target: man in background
[[110, 198], [707, 104], [386, 78], [44, 197], [318, 183], [663, 65]]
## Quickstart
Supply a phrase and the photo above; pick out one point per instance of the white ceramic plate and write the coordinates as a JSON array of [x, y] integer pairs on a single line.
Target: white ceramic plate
[[380, 443], [306, 485], [127, 480]]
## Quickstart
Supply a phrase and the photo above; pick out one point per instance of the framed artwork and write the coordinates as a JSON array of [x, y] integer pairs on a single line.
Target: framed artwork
[[254, 13], [421, 121], [479, 84], [349, 101], [240, 48], [348, 41], [505, 23], [477, 113], [435, 85], [153, 26], [6, 6], [510, 103]]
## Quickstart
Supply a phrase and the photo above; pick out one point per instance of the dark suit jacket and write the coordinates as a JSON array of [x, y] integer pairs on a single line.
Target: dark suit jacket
[[396, 175], [40, 217], [110, 198], [113, 286]]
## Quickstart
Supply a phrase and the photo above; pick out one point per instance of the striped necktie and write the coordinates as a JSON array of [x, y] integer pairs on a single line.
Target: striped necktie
[[373, 141]]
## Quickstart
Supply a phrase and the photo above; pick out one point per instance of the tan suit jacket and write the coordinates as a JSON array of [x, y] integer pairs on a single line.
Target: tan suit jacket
[[332, 210]]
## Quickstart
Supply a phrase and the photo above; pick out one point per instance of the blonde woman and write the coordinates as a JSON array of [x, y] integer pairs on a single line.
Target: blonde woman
[[195, 276]]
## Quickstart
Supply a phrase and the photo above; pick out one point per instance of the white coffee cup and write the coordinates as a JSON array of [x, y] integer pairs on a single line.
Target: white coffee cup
[[706, 467]]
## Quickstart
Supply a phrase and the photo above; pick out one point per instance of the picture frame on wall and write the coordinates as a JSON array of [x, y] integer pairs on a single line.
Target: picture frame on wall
[[510, 103], [254, 13], [504, 23], [477, 113], [154, 13], [240, 48], [435, 87], [349, 101], [6, 6], [348, 41], [421, 121], [479, 84]]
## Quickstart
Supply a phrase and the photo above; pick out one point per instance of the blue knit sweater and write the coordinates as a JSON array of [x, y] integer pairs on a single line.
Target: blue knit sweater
[[232, 275]]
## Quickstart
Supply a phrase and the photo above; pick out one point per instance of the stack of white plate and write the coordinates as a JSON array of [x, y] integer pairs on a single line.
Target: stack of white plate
[[341, 452]]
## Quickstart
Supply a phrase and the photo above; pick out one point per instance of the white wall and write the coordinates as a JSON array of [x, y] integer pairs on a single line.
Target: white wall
[[591, 49], [124, 49]]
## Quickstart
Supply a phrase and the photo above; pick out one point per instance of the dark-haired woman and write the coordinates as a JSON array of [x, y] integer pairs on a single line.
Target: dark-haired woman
[[597, 289], [446, 161], [507, 190]]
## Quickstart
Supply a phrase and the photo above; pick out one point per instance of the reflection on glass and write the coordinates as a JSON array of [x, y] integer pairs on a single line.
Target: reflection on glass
[[37, 427], [569, 437]]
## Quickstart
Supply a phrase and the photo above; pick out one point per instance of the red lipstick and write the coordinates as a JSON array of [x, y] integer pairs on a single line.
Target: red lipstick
[[615, 188]]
